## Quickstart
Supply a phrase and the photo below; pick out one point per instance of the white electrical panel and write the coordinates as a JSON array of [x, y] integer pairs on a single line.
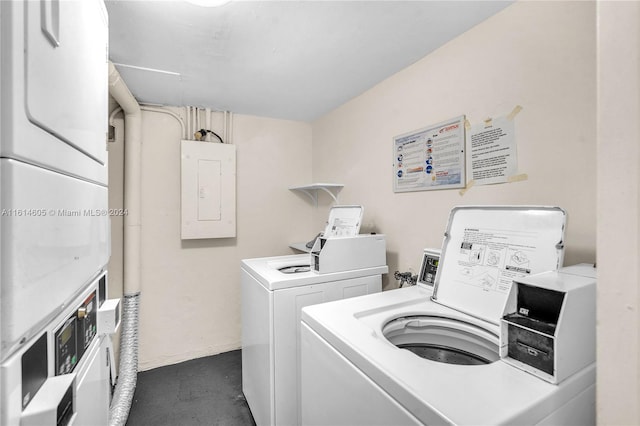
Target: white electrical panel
[[208, 190]]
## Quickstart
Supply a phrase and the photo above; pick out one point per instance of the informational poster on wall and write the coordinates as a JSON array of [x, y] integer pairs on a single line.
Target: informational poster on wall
[[430, 158], [491, 151]]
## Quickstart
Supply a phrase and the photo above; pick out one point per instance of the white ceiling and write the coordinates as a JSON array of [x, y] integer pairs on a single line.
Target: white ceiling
[[283, 59]]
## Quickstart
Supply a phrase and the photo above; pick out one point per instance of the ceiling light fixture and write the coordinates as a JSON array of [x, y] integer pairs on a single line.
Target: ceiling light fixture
[[208, 3]]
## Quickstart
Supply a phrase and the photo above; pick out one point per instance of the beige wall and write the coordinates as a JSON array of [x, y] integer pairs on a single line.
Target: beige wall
[[190, 290], [618, 213], [540, 55]]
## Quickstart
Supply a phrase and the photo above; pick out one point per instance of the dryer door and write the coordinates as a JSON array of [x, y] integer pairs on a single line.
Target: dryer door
[[66, 71]]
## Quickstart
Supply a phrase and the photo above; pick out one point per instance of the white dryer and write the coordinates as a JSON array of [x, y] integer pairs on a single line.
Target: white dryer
[[274, 290], [54, 223], [54, 85], [414, 357]]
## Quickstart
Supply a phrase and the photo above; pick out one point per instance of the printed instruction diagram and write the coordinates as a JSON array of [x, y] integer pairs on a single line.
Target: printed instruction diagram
[[487, 262]]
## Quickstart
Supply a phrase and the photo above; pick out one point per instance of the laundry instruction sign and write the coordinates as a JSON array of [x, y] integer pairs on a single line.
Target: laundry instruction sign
[[492, 154], [430, 158]]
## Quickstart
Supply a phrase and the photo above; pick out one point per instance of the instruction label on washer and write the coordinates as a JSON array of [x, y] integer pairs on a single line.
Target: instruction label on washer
[[487, 248], [491, 259]]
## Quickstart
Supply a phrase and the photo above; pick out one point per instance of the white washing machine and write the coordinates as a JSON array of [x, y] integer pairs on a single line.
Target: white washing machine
[[54, 223], [414, 357], [274, 290]]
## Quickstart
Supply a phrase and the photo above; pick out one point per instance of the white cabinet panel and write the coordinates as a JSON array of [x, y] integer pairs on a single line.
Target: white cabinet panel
[[92, 395], [288, 304], [328, 383]]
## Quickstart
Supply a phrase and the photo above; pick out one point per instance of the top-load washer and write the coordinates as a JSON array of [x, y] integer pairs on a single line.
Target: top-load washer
[[54, 223], [417, 356], [274, 290]]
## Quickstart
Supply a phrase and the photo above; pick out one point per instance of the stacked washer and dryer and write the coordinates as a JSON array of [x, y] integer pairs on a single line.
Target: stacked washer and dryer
[[55, 319], [503, 337]]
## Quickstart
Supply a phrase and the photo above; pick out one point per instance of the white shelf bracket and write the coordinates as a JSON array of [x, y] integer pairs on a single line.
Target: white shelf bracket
[[312, 190], [313, 195]]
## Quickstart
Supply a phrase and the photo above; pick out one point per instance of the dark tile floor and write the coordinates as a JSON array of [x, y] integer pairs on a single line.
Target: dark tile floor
[[204, 391]]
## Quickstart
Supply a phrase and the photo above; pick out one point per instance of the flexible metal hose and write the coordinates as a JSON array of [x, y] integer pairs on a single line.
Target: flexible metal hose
[[128, 370]]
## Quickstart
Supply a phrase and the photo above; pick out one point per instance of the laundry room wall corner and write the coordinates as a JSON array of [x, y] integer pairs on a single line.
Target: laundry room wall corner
[[191, 303], [618, 318]]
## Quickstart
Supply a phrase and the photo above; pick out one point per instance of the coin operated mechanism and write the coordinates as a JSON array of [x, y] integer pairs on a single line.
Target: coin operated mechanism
[[549, 323], [50, 379], [341, 247], [53, 404], [337, 254]]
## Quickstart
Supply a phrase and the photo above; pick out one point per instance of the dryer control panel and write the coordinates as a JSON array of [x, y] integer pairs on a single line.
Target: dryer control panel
[[66, 347], [75, 335]]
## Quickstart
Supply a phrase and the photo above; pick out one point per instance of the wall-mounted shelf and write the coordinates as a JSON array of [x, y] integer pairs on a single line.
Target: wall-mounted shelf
[[312, 190]]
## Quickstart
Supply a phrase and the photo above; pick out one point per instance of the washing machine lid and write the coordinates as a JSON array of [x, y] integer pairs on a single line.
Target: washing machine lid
[[486, 247], [344, 221]]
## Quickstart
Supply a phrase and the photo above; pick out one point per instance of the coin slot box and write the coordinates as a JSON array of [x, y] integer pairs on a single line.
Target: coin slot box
[[548, 328], [109, 316], [54, 404], [532, 327]]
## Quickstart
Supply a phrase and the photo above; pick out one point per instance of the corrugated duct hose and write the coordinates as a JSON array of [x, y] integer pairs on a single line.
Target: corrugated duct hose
[[128, 368]]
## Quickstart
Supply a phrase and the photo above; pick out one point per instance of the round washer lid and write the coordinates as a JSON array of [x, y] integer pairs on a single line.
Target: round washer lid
[[486, 247]]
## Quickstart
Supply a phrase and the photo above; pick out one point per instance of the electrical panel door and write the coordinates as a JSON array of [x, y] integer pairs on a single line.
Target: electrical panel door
[[208, 190]]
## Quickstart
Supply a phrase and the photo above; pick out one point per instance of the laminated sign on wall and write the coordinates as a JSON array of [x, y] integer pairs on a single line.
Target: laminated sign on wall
[[430, 158]]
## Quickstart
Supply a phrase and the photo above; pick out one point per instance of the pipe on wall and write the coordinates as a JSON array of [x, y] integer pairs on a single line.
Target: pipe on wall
[[128, 368], [188, 121], [133, 176], [194, 124], [224, 126], [207, 117], [183, 130]]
